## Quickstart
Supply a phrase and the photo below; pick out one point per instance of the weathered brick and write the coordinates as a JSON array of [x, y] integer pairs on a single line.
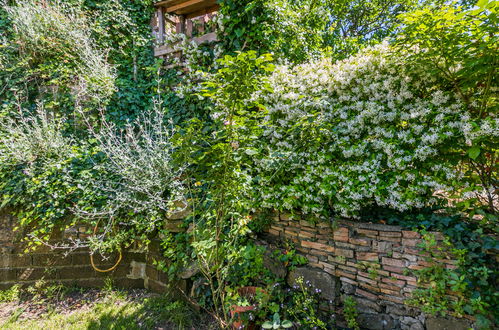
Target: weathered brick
[[328, 268], [396, 300], [403, 277], [391, 292], [276, 228], [316, 265], [306, 234], [340, 273], [348, 280], [410, 242], [318, 246], [336, 260], [311, 258], [384, 234], [290, 232], [273, 232], [391, 239], [346, 245], [367, 256], [383, 272], [367, 280], [344, 253], [341, 234], [395, 282], [360, 241], [393, 262], [410, 234], [426, 263], [367, 232], [394, 269], [349, 269], [383, 247], [369, 287], [366, 294], [306, 224], [416, 267]]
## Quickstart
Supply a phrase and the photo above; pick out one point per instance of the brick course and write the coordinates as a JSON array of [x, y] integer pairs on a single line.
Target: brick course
[[377, 259]]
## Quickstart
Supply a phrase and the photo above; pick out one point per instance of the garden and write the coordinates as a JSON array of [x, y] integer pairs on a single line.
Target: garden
[[322, 164]]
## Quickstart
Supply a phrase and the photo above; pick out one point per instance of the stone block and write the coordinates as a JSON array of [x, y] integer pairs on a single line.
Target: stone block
[[15, 260], [77, 272], [8, 274], [341, 234], [367, 232], [366, 294], [440, 323], [383, 247], [49, 260], [273, 264], [410, 234], [317, 246], [410, 242], [345, 274], [329, 285], [367, 306], [360, 241], [344, 252], [384, 234], [367, 256], [393, 262]]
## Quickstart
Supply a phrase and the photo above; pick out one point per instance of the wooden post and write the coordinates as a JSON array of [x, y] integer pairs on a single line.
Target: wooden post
[[181, 24], [161, 26]]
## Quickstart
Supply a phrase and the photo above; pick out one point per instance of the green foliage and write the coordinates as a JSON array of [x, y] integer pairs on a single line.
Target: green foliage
[[472, 282], [276, 323], [298, 31], [350, 312], [459, 48], [10, 295]]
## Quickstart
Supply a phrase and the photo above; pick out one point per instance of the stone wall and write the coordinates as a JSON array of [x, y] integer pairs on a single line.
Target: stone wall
[[371, 262], [136, 270]]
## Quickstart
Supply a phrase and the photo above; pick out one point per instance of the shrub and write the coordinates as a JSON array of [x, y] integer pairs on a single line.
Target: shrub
[[367, 131]]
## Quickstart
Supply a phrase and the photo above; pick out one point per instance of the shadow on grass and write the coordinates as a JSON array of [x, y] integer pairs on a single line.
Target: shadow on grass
[[150, 313]]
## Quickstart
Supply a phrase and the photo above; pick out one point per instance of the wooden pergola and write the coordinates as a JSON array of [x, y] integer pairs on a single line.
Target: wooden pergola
[[184, 12]]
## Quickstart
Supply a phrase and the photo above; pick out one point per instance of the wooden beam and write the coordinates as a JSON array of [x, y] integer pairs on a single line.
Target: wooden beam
[[202, 12], [183, 5], [161, 25], [163, 3]]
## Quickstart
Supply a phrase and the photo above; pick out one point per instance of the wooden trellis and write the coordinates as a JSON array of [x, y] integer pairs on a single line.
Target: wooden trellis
[[189, 17]]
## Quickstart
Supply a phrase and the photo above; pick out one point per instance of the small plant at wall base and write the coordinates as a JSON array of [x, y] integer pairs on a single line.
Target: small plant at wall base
[[276, 323], [435, 299], [350, 312]]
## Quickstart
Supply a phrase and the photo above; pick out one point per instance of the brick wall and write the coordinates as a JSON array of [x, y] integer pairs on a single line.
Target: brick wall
[[136, 270], [372, 262]]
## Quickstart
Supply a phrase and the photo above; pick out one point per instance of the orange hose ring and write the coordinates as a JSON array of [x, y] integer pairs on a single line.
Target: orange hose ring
[[104, 270]]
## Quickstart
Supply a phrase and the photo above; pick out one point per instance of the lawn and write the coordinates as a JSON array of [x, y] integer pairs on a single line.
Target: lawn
[[61, 307]]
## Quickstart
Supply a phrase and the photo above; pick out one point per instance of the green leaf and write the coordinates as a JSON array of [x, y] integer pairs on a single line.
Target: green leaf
[[267, 325], [287, 324], [474, 152]]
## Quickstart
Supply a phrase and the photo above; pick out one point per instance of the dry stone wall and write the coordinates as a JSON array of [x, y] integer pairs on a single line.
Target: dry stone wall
[[371, 262]]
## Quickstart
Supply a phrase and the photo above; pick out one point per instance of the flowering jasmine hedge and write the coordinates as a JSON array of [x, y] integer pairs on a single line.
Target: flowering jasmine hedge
[[371, 130]]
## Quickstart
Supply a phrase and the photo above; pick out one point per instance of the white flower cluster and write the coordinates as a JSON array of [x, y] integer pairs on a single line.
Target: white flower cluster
[[361, 132]]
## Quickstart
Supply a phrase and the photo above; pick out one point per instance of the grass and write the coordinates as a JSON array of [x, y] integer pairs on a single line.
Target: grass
[[112, 309]]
